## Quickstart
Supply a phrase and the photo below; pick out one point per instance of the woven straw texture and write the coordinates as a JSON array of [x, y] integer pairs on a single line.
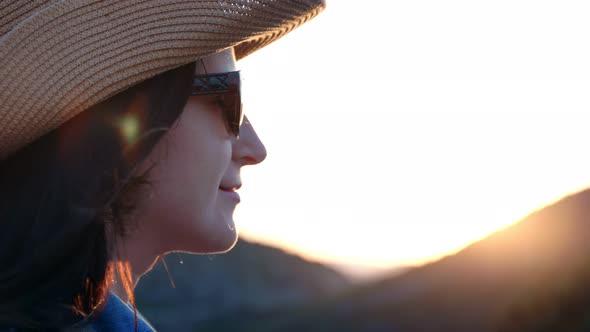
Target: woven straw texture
[[58, 58]]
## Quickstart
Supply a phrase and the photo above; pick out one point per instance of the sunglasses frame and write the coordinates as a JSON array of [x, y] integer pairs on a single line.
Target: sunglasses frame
[[228, 86]]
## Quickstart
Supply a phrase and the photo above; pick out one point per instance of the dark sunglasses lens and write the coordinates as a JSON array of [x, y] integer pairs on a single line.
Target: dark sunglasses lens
[[235, 106], [238, 115], [226, 88], [232, 113]]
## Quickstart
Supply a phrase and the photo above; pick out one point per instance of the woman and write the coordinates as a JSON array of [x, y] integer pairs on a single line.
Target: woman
[[121, 139]]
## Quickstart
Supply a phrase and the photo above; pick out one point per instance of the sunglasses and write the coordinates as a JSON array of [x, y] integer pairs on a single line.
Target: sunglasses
[[226, 89]]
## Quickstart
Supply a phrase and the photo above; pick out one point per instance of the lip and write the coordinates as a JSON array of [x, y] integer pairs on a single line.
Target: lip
[[230, 186], [231, 193]]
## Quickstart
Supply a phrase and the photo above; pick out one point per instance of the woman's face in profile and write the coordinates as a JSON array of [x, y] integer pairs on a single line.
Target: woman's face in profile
[[197, 170]]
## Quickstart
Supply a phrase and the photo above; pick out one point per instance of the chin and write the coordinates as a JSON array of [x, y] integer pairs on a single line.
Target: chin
[[227, 247], [224, 246], [217, 244]]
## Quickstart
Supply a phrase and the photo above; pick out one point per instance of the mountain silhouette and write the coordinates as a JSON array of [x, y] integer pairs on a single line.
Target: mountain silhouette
[[250, 279], [531, 276]]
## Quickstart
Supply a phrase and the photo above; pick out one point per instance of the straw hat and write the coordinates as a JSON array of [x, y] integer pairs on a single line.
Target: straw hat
[[59, 57]]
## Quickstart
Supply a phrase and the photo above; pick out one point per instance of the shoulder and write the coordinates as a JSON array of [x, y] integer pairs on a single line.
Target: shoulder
[[116, 316]]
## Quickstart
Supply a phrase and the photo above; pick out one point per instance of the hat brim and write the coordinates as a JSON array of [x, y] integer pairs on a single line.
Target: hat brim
[[70, 55]]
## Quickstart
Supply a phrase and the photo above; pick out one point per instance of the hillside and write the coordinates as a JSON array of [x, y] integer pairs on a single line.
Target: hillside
[[532, 276], [251, 278]]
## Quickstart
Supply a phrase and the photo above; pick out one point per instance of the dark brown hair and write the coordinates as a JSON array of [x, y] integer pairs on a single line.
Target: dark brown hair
[[65, 194]]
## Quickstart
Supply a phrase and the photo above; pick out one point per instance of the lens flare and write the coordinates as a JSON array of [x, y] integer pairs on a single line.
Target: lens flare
[[129, 129]]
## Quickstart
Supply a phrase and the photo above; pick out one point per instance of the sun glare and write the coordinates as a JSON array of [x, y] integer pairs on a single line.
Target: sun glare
[[401, 157]]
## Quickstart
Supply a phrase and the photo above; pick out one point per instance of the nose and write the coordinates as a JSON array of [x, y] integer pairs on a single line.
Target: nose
[[248, 149]]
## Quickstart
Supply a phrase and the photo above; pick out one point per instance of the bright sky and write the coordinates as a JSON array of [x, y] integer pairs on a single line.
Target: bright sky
[[400, 131]]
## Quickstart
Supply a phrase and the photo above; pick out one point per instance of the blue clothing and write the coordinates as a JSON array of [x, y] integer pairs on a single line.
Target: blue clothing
[[116, 316]]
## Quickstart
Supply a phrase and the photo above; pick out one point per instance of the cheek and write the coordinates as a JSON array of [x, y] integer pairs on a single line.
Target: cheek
[[196, 157], [186, 212], [188, 186], [189, 213], [195, 220]]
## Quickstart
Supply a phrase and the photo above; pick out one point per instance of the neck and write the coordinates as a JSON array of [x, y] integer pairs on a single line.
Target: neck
[[130, 264]]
